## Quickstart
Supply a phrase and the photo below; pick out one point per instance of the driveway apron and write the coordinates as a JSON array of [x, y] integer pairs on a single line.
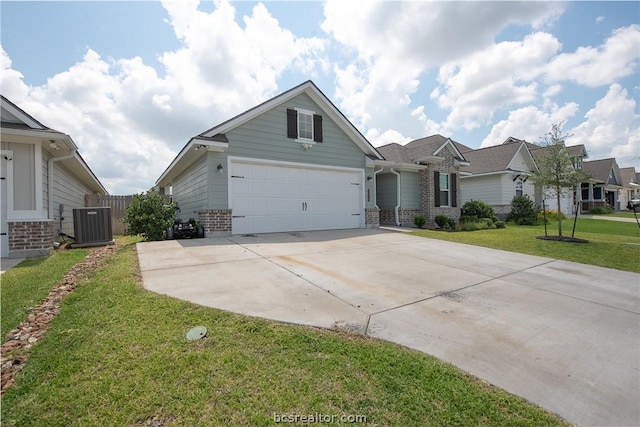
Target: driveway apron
[[563, 335]]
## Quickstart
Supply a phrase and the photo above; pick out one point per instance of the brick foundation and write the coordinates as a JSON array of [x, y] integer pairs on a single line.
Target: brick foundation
[[30, 238], [405, 216], [372, 218], [215, 220]]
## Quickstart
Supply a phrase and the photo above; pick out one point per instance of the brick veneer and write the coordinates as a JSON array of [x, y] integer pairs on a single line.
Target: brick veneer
[[426, 197], [372, 218], [215, 220], [30, 238]]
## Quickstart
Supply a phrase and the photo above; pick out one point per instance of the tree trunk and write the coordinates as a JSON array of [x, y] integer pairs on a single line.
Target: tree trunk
[[559, 212]]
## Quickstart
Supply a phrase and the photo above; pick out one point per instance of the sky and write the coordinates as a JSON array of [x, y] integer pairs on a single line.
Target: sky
[[132, 82]]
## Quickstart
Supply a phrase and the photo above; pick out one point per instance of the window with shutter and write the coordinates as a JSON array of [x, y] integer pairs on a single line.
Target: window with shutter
[[304, 126]]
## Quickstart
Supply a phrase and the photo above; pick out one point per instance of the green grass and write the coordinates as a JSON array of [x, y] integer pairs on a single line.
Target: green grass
[[29, 282], [611, 244], [117, 355]]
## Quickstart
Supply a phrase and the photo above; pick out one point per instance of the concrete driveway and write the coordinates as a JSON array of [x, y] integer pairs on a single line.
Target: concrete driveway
[[563, 335]]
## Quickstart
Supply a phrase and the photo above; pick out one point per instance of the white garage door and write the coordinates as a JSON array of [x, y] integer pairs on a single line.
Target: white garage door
[[269, 198]]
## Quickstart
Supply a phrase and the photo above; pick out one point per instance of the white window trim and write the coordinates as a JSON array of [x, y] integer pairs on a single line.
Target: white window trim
[[29, 214], [519, 181], [299, 138], [448, 190]]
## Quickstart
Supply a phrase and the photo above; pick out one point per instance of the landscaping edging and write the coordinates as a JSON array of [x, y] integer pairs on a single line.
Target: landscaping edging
[[15, 351]]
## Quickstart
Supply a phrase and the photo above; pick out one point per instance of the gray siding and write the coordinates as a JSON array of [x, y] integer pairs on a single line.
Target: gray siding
[[386, 189], [408, 189], [190, 189], [45, 180], [69, 191], [24, 194], [485, 188], [218, 182], [265, 137]]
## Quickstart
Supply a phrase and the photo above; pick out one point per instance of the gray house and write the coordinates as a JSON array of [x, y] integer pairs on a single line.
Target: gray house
[[419, 178], [292, 163], [497, 174], [43, 179], [602, 188]]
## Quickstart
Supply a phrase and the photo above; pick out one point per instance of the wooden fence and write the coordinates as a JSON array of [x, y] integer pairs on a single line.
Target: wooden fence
[[118, 205]]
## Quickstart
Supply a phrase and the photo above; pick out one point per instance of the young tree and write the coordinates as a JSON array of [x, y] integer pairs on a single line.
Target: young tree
[[555, 167]]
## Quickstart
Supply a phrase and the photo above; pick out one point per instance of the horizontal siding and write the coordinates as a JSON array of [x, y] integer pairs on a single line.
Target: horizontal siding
[[218, 182], [45, 180], [190, 189], [69, 191], [520, 163], [409, 189], [265, 137], [485, 188], [386, 189]]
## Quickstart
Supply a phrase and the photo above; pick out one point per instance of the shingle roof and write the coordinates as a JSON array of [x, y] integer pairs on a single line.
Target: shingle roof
[[599, 170], [491, 159], [418, 149], [395, 152], [628, 176]]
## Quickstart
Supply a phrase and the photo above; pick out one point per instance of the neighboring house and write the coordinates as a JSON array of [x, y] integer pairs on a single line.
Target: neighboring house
[[292, 163], [603, 186], [43, 179], [497, 174], [419, 178], [631, 184], [569, 197]]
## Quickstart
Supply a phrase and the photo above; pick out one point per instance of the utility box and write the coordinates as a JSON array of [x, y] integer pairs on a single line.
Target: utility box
[[92, 227]]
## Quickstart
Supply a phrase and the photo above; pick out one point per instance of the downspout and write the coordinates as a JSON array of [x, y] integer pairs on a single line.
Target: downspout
[[50, 163], [396, 209], [375, 186]]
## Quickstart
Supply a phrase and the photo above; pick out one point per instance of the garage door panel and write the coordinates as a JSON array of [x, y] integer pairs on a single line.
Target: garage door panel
[[273, 198]]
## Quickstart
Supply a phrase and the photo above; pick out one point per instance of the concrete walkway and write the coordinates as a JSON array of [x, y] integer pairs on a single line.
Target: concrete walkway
[[7, 263], [563, 335], [609, 218]]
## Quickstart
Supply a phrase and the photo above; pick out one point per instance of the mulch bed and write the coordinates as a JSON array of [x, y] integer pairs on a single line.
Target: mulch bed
[[562, 239], [15, 351]]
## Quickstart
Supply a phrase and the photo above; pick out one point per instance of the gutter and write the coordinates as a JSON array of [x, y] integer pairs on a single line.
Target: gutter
[[50, 163], [375, 186], [398, 197]]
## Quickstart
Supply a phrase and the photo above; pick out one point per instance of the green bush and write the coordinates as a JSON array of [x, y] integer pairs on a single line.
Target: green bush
[[500, 224], [473, 210], [600, 210], [474, 226], [523, 211], [550, 216], [419, 221], [149, 215], [451, 223], [445, 222]]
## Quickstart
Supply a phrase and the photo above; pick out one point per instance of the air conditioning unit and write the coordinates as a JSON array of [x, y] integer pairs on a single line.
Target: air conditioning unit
[[92, 227]]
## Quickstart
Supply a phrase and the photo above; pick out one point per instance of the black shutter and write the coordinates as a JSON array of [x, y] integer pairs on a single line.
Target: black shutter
[[317, 128], [436, 188], [454, 193], [292, 123]]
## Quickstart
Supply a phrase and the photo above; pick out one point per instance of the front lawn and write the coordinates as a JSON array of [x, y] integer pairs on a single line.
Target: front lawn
[[611, 244], [26, 284], [117, 355]]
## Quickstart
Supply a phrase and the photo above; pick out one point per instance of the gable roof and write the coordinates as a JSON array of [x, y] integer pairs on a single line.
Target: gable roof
[[599, 170], [395, 153], [496, 158], [214, 137], [629, 176], [421, 151], [21, 126]]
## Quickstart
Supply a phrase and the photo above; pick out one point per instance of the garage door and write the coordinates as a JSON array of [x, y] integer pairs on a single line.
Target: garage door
[[267, 198]]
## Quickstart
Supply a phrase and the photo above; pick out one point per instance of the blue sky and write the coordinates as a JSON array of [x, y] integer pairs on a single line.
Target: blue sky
[[131, 82]]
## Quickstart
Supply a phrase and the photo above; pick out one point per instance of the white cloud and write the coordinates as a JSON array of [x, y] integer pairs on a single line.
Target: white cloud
[[129, 121], [529, 123], [611, 128], [590, 66], [393, 43]]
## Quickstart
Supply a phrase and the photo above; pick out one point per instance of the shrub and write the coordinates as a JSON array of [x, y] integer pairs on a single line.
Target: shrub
[[419, 221], [600, 210], [149, 215], [523, 211], [500, 224], [474, 226], [551, 215], [473, 210], [451, 223], [441, 220]]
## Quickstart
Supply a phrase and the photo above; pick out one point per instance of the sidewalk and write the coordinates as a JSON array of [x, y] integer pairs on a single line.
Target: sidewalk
[[609, 218]]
